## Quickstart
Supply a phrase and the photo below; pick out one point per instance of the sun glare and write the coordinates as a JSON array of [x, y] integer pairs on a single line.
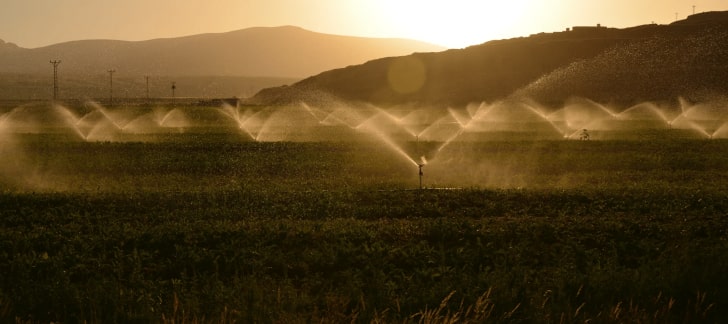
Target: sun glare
[[458, 23]]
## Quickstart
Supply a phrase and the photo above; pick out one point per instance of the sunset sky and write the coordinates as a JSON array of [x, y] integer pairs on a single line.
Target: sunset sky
[[452, 23]]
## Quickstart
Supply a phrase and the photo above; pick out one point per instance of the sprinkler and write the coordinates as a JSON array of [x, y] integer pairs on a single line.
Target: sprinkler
[[421, 164], [421, 174]]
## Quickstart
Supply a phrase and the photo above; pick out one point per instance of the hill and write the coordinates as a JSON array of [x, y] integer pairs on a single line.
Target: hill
[[284, 53], [262, 51], [692, 64], [688, 58]]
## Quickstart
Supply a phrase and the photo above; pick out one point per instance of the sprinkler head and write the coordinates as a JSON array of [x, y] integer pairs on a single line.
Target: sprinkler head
[[421, 174]]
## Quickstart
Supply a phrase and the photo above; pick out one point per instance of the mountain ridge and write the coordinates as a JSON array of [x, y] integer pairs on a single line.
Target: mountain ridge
[[234, 53], [503, 69]]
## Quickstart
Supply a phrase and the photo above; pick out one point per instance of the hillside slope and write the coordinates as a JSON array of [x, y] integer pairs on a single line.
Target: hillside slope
[[655, 69], [644, 62]]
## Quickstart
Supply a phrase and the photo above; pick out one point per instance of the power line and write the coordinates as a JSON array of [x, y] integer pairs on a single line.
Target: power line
[[55, 78]]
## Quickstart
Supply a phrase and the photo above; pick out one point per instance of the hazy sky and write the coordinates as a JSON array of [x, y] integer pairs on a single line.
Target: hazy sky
[[452, 23]]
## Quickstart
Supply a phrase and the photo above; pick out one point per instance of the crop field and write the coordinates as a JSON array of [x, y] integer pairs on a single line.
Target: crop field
[[200, 226]]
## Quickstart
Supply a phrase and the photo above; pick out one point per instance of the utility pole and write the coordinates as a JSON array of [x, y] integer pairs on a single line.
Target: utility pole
[[676, 16], [147, 77], [111, 87], [174, 86], [55, 78]]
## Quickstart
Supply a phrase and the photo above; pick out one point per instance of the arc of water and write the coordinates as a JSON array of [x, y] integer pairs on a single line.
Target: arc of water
[[546, 118], [72, 120], [284, 123], [6, 116], [419, 121], [440, 123], [462, 120], [562, 120], [721, 132], [230, 112], [254, 131], [318, 114], [650, 107], [343, 114], [332, 119], [683, 104], [111, 120], [693, 125], [367, 123], [119, 125], [166, 116], [602, 108], [684, 121], [397, 121], [484, 110], [349, 115], [449, 140], [396, 147], [475, 111], [233, 113]]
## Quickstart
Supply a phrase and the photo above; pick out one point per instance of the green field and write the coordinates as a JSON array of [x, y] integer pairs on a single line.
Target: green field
[[212, 227]]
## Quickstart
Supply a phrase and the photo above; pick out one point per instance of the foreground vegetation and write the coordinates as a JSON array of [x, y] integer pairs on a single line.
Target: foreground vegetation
[[228, 231]]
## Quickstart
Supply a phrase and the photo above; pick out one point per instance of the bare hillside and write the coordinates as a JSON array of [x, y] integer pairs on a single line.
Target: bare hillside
[[688, 58]]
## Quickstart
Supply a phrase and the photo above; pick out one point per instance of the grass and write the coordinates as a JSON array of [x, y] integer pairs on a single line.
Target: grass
[[225, 231]]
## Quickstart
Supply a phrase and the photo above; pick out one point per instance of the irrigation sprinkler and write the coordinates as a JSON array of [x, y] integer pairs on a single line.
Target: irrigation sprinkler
[[419, 165], [421, 174]]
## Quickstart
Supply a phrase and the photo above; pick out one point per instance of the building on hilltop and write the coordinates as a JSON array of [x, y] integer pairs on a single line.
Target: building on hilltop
[[588, 29]]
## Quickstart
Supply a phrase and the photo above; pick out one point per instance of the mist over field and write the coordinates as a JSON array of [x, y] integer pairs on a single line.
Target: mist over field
[[577, 175], [503, 144]]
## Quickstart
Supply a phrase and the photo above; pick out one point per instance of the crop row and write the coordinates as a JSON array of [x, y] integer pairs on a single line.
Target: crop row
[[338, 254]]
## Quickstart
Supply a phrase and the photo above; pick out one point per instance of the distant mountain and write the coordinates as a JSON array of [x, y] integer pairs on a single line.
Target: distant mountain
[[288, 52], [688, 58], [237, 63], [7, 47]]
